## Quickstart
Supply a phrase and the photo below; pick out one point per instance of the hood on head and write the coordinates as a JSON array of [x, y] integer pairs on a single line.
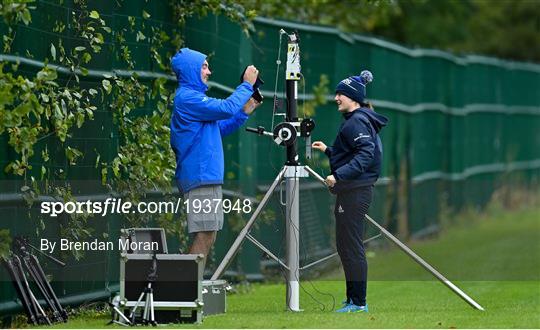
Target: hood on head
[[187, 65]]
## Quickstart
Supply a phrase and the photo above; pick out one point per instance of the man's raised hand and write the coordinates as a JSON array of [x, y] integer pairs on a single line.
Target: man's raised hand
[[251, 74]]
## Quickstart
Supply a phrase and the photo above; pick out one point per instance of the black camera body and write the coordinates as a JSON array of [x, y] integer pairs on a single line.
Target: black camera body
[[257, 96]]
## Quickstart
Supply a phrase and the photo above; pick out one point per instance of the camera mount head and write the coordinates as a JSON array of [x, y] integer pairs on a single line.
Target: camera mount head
[[286, 133], [21, 246]]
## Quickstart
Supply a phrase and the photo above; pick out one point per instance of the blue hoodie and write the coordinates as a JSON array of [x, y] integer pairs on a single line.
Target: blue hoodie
[[199, 122], [355, 156]]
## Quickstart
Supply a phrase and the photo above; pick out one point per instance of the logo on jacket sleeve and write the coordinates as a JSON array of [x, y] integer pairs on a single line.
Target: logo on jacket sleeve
[[361, 136], [205, 99], [340, 209]]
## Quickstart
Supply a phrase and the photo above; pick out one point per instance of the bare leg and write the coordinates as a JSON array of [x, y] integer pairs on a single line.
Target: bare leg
[[202, 243]]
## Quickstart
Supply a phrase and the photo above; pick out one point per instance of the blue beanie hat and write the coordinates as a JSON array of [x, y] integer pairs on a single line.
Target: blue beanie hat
[[355, 87]]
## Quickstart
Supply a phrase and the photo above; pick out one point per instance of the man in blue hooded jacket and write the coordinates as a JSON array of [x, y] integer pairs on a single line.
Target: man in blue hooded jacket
[[198, 123], [355, 161]]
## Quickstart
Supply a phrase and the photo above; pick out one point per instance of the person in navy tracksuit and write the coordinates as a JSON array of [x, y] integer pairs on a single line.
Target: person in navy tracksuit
[[355, 161], [198, 123]]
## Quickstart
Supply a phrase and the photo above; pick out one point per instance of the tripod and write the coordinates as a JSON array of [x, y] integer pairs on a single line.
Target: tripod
[[147, 294], [292, 175], [285, 134], [35, 313], [21, 259]]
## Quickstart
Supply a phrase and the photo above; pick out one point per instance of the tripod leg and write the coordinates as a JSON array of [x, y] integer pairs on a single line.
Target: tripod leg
[[426, 266], [19, 273], [42, 314], [152, 315], [413, 255], [236, 245], [146, 313], [41, 286], [41, 317], [292, 221], [121, 317], [315, 175], [148, 303], [134, 309], [47, 286], [11, 267]]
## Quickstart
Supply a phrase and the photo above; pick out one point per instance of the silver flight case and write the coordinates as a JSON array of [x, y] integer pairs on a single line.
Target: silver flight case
[[214, 297]]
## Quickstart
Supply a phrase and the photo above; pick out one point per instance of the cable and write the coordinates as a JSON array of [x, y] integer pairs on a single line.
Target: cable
[[316, 165], [275, 99], [302, 248], [278, 64], [315, 160]]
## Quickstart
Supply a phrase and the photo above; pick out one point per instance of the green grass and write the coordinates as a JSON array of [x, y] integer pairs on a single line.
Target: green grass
[[493, 258], [498, 246]]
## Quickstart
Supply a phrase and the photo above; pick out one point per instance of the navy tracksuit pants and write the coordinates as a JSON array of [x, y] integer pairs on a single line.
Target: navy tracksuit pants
[[350, 210]]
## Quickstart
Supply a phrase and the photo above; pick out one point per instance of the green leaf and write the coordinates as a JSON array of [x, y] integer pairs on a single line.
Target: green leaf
[[145, 15], [47, 74], [98, 38], [53, 52], [97, 159], [57, 112], [80, 119], [26, 17], [67, 94], [161, 107], [80, 48], [86, 57], [23, 109], [104, 175], [45, 154], [140, 36], [72, 154], [64, 107], [94, 14], [106, 85], [116, 167], [92, 91]]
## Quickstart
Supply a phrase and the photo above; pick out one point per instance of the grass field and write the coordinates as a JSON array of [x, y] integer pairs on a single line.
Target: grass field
[[495, 258]]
